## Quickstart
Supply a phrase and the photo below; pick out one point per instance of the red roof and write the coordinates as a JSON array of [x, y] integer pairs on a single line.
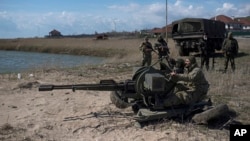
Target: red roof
[[162, 30], [157, 30], [243, 21], [224, 19]]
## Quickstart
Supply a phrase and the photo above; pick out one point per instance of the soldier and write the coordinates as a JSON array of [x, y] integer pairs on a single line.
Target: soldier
[[191, 87], [146, 48], [179, 66], [162, 47], [230, 50], [205, 56], [205, 52]]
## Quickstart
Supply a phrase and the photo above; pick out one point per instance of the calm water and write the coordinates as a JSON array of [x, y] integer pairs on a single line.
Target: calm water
[[18, 61]]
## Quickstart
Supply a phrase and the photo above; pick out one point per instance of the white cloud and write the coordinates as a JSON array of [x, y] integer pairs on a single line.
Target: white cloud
[[181, 10], [140, 16], [3, 14], [245, 10], [156, 8], [230, 9], [227, 8], [177, 3], [190, 7], [125, 8], [128, 17]]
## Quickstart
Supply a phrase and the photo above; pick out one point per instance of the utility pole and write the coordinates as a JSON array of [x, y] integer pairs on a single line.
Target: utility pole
[[167, 20]]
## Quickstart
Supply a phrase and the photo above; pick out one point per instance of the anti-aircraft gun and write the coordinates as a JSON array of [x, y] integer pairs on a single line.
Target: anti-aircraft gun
[[146, 89], [144, 93]]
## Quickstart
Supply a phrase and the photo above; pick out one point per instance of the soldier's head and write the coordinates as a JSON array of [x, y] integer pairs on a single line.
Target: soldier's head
[[146, 38], [190, 61], [160, 38], [229, 35], [179, 65]]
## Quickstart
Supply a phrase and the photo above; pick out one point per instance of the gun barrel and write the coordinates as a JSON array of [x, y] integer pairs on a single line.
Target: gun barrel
[[105, 85], [46, 87], [53, 87]]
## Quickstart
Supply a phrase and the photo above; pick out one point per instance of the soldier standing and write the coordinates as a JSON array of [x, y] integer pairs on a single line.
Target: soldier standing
[[162, 47], [230, 50], [205, 52], [163, 51], [191, 86], [146, 48]]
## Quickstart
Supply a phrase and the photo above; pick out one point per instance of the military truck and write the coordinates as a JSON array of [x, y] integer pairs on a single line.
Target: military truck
[[195, 34]]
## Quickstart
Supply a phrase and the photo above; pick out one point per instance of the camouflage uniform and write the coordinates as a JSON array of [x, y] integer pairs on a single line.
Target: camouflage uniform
[[162, 47], [230, 49], [146, 48], [205, 52], [191, 86], [179, 66]]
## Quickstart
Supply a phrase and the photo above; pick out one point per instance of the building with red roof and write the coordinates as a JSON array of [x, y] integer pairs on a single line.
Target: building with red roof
[[230, 23], [245, 22]]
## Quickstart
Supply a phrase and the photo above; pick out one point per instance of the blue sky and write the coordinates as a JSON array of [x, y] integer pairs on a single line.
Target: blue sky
[[35, 18]]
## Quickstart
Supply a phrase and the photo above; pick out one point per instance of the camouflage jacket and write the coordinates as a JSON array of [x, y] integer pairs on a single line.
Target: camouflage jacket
[[146, 47], [194, 79], [162, 48], [230, 46]]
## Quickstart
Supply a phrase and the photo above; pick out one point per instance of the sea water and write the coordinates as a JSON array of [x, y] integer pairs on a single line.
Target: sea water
[[18, 61]]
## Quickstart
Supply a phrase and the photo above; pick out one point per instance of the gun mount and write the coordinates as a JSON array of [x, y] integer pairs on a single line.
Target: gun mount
[[144, 93]]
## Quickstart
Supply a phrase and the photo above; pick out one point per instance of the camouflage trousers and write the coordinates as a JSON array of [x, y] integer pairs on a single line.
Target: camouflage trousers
[[227, 59], [205, 61], [147, 59], [185, 96]]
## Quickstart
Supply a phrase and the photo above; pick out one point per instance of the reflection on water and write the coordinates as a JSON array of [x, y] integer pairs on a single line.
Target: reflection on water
[[17, 61]]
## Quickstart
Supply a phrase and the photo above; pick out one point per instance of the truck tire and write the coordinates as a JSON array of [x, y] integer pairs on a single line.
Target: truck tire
[[118, 101], [180, 50], [186, 52]]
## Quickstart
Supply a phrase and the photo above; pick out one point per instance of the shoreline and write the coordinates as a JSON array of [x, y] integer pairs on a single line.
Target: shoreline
[[114, 49]]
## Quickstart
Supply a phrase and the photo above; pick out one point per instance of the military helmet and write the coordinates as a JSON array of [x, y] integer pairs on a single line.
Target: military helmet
[[160, 38], [146, 38], [229, 34], [179, 63]]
